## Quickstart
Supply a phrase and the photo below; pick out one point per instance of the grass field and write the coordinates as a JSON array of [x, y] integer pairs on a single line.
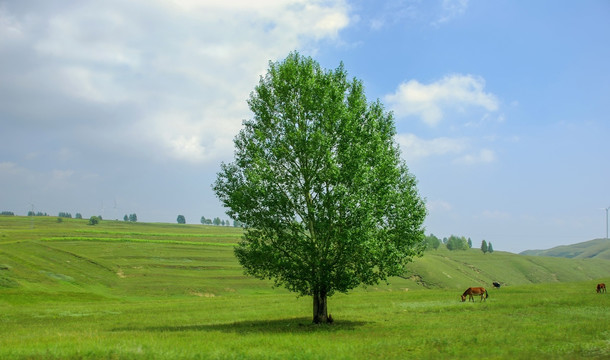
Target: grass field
[[162, 291]]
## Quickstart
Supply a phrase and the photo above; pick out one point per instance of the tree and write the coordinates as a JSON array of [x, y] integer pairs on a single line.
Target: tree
[[432, 242], [94, 220], [484, 247], [318, 181], [78, 216], [203, 220], [490, 248], [133, 217], [469, 243], [125, 218], [181, 219], [457, 243]]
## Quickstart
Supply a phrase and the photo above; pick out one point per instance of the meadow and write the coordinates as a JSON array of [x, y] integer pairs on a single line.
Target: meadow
[[167, 291]]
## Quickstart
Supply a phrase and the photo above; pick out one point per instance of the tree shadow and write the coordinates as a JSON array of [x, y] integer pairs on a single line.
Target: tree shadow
[[277, 326]]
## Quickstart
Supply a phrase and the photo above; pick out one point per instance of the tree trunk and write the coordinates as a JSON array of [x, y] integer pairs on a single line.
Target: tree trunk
[[320, 314]]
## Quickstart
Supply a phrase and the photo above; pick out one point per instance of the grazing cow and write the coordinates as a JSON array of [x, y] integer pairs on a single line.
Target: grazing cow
[[601, 288], [496, 284], [475, 291]]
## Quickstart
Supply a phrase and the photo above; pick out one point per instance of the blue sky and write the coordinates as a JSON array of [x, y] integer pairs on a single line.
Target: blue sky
[[121, 107]]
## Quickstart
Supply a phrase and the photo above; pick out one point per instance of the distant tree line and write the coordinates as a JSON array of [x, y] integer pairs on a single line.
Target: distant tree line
[[7, 213], [456, 243], [31, 213], [132, 217], [219, 222]]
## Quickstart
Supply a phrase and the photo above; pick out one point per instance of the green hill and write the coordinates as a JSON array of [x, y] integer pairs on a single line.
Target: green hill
[[460, 269], [593, 249], [121, 259]]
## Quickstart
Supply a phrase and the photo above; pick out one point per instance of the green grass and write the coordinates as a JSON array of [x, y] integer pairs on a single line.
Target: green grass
[[598, 248], [167, 291]]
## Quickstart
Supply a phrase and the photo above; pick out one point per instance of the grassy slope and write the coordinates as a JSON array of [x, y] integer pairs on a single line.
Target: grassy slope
[[139, 259], [598, 249], [140, 291]]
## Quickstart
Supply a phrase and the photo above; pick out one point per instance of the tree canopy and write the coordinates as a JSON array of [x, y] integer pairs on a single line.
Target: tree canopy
[[318, 182]]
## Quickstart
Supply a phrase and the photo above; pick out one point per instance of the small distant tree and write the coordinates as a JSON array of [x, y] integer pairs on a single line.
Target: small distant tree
[[484, 247], [203, 220], [490, 248], [133, 217], [469, 243], [59, 220], [78, 216], [181, 219], [125, 218], [8, 213], [457, 243], [216, 221], [432, 242], [94, 220]]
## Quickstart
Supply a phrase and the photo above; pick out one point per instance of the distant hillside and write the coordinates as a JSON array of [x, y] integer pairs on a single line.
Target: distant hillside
[[597, 249], [117, 258], [460, 269]]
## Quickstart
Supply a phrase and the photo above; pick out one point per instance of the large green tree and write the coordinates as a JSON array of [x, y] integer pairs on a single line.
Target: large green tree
[[318, 182]]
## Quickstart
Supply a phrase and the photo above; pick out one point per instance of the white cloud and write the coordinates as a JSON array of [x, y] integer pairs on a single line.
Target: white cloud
[[414, 148], [484, 156], [431, 102], [9, 168], [439, 206], [169, 77], [451, 9]]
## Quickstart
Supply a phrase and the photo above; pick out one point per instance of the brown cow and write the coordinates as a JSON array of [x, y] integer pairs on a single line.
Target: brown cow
[[475, 291]]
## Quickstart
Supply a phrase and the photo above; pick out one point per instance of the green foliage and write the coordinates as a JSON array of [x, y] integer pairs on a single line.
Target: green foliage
[[490, 248], [94, 220], [457, 243], [484, 247], [432, 242], [39, 213], [7, 213], [63, 214], [78, 216], [318, 179], [181, 219]]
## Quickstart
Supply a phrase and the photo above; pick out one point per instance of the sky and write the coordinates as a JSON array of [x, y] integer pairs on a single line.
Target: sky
[[129, 106]]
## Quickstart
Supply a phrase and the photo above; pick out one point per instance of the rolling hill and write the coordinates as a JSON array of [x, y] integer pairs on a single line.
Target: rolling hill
[[121, 259], [593, 249]]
